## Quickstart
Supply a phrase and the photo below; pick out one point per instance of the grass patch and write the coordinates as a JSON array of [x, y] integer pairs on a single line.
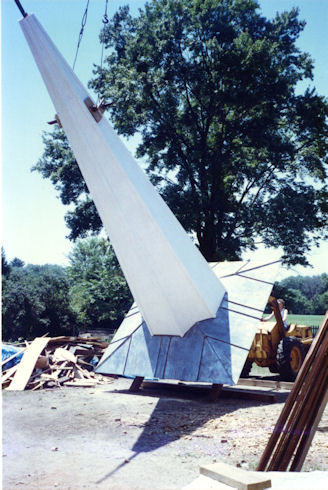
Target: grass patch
[[309, 320]]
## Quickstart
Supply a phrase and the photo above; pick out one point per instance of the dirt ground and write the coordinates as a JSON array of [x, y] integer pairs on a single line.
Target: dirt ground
[[109, 438]]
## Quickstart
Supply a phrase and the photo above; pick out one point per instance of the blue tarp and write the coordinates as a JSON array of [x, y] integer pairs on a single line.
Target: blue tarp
[[8, 351]]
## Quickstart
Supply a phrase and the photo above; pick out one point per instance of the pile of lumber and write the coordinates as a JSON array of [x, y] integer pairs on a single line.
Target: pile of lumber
[[301, 414], [55, 362]]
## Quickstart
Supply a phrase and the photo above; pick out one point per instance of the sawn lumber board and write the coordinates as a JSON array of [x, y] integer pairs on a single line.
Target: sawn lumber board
[[236, 477], [27, 364]]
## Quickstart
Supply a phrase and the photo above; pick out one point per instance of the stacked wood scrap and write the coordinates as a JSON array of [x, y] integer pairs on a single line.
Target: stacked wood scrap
[[290, 441], [56, 362]]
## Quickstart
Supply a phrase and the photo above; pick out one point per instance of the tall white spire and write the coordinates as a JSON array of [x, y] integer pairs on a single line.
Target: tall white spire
[[170, 280]]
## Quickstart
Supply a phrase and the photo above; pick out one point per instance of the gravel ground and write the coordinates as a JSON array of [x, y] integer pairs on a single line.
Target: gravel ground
[[108, 438]]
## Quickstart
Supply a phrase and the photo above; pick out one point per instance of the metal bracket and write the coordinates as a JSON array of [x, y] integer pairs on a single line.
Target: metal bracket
[[93, 109], [56, 121], [98, 110]]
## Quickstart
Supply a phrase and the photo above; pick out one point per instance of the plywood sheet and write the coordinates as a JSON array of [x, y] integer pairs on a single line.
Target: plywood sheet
[[27, 364]]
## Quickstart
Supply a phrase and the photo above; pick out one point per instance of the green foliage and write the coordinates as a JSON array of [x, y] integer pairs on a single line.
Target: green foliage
[[306, 295], [35, 301], [210, 87], [59, 165], [99, 293], [16, 262], [5, 267]]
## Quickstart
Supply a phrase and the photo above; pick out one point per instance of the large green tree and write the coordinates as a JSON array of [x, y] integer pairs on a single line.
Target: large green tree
[[239, 155], [35, 301], [99, 294]]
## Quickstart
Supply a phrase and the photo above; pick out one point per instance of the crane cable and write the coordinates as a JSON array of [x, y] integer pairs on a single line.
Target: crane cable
[[20, 7], [105, 21], [84, 21], [100, 103]]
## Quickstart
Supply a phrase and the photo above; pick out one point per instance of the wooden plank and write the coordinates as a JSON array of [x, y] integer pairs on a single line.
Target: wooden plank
[[298, 442], [81, 383], [215, 392], [286, 430], [303, 419], [61, 354], [301, 415], [299, 412], [235, 477], [265, 383], [85, 373], [8, 373], [37, 386], [259, 395], [27, 364], [301, 454], [293, 430], [304, 406]]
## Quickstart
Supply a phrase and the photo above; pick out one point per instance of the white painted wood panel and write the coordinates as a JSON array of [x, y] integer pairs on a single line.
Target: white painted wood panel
[[168, 277]]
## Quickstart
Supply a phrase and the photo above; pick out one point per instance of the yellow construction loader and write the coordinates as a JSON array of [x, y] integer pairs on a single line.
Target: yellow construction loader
[[281, 350]]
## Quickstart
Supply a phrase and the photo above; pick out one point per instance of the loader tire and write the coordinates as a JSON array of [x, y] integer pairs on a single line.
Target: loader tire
[[290, 357], [246, 369]]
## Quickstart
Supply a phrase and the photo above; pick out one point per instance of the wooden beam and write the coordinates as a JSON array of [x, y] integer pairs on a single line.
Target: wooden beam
[[265, 383], [259, 395], [215, 392], [136, 383], [226, 392], [301, 455], [235, 477]]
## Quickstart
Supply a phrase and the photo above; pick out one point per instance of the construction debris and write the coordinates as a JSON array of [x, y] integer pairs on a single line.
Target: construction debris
[[56, 362]]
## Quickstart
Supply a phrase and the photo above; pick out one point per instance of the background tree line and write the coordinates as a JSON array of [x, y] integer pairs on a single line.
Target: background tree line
[[91, 293], [307, 295]]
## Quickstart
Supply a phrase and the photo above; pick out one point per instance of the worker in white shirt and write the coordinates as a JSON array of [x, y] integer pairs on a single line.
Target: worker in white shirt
[[283, 313]]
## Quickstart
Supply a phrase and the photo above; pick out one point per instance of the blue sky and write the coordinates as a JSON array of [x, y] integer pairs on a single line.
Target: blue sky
[[33, 226]]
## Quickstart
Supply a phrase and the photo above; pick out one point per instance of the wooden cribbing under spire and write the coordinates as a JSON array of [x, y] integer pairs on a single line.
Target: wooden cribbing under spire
[[291, 438]]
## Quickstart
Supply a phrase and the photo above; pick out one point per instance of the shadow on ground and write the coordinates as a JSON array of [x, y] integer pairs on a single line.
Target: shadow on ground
[[180, 410]]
